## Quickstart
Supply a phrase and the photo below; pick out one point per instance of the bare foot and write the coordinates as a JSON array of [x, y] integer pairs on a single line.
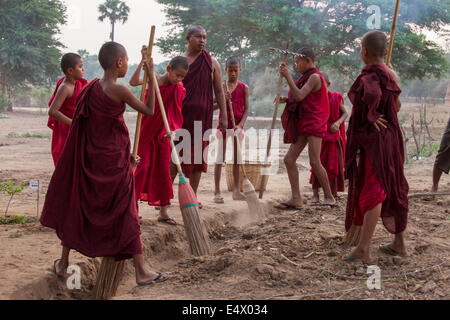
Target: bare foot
[[239, 196], [394, 249], [148, 276], [329, 201], [434, 189], [60, 267], [360, 254], [295, 202]]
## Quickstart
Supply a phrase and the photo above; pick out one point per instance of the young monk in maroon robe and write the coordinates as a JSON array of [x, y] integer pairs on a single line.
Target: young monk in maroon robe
[[333, 146], [238, 93], [90, 200], [203, 78], [153, 181], [63, 101], [377, 184], [305, 120]]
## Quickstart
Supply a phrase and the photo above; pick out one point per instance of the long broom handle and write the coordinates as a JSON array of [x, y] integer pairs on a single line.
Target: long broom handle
[[166, 124], [274, 119], [143, 89], [238, 144], [391, 41]]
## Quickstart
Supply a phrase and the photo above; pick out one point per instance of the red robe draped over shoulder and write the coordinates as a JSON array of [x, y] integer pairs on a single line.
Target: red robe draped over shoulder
[[238, 104], [375, 93], [198, 107], [308, 117], [152, 175], [332, 151], [90, 200], [61, 130]]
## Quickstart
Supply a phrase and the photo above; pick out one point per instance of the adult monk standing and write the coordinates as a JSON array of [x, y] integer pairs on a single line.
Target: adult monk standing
[[204, 77]]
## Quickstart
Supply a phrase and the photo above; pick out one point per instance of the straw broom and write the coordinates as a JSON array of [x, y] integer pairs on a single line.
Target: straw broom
[[111, 271], [353, 235], [196, 232], [254, 206], [264, 178]]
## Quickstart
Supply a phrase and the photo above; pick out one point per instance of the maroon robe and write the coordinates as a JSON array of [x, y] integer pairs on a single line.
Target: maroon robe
[[375, 93], [332, 151], [152, 175], [198, 106], [61, 130], [308, 117], [90, 201]]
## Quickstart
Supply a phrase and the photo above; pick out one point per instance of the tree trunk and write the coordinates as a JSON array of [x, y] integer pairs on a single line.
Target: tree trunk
[[3, 83], [112, 31], [8, 97]]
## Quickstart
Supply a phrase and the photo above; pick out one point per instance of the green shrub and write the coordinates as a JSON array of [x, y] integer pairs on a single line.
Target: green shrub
[[3, 102]]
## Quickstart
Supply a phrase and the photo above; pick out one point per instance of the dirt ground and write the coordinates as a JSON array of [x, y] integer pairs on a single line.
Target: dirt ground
[[290, 255]]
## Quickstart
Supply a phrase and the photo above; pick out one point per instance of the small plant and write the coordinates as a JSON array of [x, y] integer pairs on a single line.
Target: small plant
[[16, 220], [11, 190], [27, 135]]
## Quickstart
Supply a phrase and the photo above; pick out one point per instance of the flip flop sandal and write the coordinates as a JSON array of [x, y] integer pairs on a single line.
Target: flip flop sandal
[[314, 203], [331, 206], [169, 221], [386, 249], [287, 207], [54, 268], [159, 278], [218, 199], [349, 258]]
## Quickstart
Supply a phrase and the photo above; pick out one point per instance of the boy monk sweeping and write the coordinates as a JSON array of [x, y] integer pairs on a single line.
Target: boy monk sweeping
[[90, 200], [377, 184], [203, 78], [238, 93], [305, 120], [333, 146], [63, 101], [152, 176]]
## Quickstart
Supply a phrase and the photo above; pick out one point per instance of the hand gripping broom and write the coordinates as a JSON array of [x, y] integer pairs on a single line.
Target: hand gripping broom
[[353, 234], [254, 206], [196, 232], [111, 271], [264, 178]]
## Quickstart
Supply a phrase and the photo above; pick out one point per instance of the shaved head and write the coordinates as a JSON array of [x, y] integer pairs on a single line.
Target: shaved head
[[193, 29], [110, 53], [233, 61], [375, 42]]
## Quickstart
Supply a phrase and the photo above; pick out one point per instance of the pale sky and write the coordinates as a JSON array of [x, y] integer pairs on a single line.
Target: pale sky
[[84, 31]]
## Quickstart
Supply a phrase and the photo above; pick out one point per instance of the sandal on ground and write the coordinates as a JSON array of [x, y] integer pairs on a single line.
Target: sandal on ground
[[350, 258], [159, 278], [287, 206], [54, 268], [170, 221], [218, 199], [388, 250]]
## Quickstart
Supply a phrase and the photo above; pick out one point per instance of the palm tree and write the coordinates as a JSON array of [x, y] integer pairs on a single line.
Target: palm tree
[[115, 11]]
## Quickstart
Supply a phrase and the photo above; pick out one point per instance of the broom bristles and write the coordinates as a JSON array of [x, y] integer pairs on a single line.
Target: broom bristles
[[254, 206], [108, 278], [195, 229], [353, 235]]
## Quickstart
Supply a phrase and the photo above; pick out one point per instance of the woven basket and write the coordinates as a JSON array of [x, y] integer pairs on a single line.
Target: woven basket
[[253, 171]]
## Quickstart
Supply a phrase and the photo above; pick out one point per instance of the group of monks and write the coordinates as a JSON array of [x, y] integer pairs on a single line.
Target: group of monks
[[92, 198]]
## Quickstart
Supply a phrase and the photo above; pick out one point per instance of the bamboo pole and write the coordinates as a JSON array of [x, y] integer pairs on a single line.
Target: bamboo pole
[[274, 119], [391, 40], [143, 90]]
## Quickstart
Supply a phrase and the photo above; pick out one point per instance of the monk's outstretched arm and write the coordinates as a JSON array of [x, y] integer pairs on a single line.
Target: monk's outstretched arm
[[246, 108], [61, 95], [220, 96]]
